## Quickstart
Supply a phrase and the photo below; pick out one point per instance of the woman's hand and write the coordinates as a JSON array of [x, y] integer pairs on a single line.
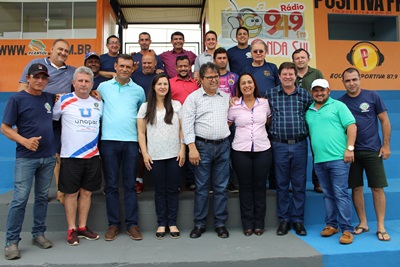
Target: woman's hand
[[147, 161]]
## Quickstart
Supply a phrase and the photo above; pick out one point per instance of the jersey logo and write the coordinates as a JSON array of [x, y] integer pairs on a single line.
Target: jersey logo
[[88, 114], [47, 107], [364, 107]]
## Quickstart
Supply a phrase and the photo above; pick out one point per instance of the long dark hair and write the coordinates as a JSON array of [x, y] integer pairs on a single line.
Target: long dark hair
[[239, 93], [151, 111]]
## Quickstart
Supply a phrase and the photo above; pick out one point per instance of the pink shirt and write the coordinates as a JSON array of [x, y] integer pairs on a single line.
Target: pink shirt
[[250, 135], [169, 60], [180, 89]]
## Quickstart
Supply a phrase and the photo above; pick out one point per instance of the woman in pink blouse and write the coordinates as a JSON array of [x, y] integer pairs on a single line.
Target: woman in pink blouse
[[251, 152]]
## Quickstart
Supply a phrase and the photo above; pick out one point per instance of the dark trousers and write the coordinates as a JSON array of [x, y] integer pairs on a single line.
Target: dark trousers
[[252, 170], [166, 176]]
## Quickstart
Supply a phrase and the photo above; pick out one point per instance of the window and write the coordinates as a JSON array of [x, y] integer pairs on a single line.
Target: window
[[363, 27], [48, 19]]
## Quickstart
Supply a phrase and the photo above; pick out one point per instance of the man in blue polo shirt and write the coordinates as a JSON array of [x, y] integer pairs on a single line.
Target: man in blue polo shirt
[[119, 145]]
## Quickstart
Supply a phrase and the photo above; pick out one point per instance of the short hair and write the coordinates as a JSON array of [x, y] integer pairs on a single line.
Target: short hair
[[242, 28], [350, 70], [298, 51], [211, 32], [208, 66], [287, 65], [124, 56], [179, 58], [177, 33], [220, 50], [144, 33], [60, 40], [83, 70], [258, 41], [239, 93], [111, 36]]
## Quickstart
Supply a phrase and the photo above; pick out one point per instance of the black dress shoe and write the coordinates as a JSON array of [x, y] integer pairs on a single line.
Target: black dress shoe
[[299, 228], [160, 235], [175, 234], [196, 232], [283, 228], [248, 232], [258, 231], [222, 232]]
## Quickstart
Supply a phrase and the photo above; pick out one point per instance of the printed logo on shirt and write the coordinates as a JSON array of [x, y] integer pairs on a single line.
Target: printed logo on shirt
[[96, 106], [364, 107], [267, 73], [231, 82], [47, 107], [86, 115]]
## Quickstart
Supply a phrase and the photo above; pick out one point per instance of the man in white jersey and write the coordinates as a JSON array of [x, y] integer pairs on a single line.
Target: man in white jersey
[[80, 172]]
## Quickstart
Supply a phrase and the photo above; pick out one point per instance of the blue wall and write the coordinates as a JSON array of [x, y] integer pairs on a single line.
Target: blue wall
[[391, 98]]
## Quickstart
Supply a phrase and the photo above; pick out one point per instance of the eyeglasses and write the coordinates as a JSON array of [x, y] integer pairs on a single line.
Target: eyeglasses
[[114, 43], [259, 51], [210, 78]]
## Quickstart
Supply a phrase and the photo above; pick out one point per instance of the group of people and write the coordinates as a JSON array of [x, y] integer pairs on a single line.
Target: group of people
[[236, 109]]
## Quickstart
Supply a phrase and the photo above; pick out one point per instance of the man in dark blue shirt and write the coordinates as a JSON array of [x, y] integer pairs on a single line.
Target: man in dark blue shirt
[[31, 111]]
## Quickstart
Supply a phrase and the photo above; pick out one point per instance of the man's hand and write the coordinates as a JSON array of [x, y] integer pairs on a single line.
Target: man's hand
[[32, 143], [95, 94], [233, 100], [349, 156], [385, 152], [194, 156]]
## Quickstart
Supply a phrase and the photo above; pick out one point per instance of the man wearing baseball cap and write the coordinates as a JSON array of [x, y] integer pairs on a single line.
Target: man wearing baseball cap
[[333, 133], [31, 111], [92, 61]]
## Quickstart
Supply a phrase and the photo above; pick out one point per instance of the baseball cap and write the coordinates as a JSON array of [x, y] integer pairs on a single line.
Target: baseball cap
[[38, 68], [320, 82], [91, 54]]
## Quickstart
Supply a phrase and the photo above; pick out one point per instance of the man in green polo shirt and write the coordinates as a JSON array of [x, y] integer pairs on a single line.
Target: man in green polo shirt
[[333, 133]]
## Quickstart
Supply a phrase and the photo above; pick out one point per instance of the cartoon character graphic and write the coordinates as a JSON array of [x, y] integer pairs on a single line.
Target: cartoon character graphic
[[247, 18]]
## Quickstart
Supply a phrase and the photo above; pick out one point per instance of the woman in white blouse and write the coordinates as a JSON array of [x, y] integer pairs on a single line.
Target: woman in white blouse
[[251, 152], [160, 135]]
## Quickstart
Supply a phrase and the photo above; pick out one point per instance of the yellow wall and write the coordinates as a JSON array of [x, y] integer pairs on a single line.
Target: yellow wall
[[280, 46]]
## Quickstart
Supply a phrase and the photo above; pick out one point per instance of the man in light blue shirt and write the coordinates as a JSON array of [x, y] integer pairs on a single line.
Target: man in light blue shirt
[[119, 145]]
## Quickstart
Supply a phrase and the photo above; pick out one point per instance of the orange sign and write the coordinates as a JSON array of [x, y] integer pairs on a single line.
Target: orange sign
[[377, 61], [16, 54]]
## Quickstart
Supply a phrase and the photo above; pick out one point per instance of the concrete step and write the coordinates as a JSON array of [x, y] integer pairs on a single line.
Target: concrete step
[[314, 211]]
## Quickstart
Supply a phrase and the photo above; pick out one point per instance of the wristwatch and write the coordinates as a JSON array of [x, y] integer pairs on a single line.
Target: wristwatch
[[350, 148]]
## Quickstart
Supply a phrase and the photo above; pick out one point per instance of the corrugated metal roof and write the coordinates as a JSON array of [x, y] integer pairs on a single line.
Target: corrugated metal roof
[[162, 11]]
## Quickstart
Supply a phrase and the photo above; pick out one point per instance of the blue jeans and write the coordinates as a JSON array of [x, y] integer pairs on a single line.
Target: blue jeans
[[27, 170], [114, 154], [333, 177], [214, 165], [166, 176], [290, 167]]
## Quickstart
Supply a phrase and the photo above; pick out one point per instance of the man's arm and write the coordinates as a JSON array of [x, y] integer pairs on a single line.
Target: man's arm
[[107, 74], [351, 139], [188, 120], [30, 143], [386, 131]]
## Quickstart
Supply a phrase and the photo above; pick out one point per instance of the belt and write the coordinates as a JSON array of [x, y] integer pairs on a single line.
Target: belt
[[219, 141], [288, 141]]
